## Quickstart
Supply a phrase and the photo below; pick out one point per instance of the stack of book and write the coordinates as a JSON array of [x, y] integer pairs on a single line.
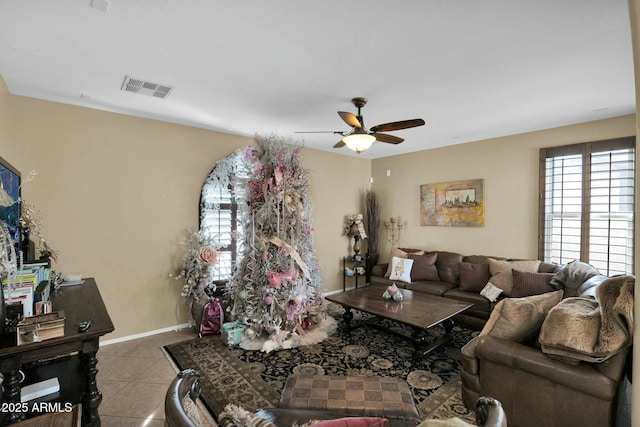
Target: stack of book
[[26, 287]]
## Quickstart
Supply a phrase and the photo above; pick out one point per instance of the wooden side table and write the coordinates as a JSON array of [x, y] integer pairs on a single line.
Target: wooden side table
[[71, 358]]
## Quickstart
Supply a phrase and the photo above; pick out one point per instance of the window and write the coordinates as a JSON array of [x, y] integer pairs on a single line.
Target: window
[[223, 210], [587, 204], [219, 218]]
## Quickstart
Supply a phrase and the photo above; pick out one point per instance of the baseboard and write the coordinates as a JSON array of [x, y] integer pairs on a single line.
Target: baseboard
[[337, 291], [173, 328], [145, 334]]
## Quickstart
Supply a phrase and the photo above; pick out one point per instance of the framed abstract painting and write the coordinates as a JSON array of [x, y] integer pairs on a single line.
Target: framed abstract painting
[[452, 204]]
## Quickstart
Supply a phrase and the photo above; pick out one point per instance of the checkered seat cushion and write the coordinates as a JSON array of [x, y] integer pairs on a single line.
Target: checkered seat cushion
[[363, 396]]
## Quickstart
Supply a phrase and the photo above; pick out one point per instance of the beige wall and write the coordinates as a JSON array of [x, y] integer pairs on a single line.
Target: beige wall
[[5, 147], [116, 193], [337, 184], [509, 167]]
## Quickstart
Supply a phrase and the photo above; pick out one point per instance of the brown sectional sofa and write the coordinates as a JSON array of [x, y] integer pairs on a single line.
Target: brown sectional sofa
[[448, 268], [537, 388], [536, 385]]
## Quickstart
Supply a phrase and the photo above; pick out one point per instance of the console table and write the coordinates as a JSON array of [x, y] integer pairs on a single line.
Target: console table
[[71, 358]]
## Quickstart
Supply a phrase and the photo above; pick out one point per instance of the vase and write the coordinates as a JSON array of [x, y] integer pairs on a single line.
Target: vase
[[27, 247], [356, 244], [373, 260]]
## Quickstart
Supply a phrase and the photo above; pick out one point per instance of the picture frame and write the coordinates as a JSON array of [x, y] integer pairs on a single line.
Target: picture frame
[[10, 186], [452, 204]]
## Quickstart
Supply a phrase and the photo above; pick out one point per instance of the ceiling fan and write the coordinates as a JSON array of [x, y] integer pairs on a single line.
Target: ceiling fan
[[359, 138]]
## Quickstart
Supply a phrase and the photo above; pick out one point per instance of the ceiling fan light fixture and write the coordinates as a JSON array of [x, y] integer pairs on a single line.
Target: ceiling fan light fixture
[[359, 141]]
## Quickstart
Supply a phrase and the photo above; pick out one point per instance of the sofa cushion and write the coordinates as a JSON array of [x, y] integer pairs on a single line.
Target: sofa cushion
[[501, 275], [471, 297], [518, 319], [430, 287], [526, 283], [447, 264], [424, 266], [480, 259], [401, 269], [473, 277]]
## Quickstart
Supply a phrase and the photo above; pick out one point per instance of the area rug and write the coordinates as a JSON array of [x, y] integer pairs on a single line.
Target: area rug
[[253, 379]]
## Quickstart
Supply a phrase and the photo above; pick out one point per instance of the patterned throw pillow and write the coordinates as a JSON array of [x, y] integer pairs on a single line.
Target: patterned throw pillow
[[491, 292], [401, 269], [400, 254], [236, 416], [395, 252], [192, 411]]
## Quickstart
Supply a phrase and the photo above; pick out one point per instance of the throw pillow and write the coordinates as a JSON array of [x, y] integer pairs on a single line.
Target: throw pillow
[[525, 283], [491, 292], [501, 275], [395, 252], [192, 411], [236, 416], [400, 254], [424, 267], [519, 319], [473, 277], [401, 270]]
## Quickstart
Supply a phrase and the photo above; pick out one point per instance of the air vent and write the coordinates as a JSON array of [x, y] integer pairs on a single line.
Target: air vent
[[143, 87]]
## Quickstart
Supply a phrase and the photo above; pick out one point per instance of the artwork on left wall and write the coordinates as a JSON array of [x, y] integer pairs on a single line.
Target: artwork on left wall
[[10, 200]]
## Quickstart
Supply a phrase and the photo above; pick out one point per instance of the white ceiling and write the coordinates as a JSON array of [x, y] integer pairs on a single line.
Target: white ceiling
[[471, 69]]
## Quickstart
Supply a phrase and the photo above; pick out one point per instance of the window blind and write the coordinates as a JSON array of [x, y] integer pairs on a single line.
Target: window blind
[[218, 220], [587, 204]]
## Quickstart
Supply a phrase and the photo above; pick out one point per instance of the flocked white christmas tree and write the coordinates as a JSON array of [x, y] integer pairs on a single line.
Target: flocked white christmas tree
[[276, 288]]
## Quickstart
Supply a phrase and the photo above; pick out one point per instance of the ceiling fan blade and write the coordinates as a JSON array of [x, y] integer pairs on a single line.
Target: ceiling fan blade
[[383, 137], [321, 131], [350, 119], [339, 144], [404, 124]]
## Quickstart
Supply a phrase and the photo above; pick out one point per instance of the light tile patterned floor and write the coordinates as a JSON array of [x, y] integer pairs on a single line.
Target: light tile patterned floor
[[134, 377]]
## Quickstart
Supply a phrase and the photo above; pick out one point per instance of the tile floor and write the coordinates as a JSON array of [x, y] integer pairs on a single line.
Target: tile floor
[[133, 377]]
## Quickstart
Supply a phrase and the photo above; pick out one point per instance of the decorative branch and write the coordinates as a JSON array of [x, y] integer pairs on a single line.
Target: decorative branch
[[373, 220]]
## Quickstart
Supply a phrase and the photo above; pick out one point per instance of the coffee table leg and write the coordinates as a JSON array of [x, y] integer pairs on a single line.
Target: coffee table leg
[[422, 346], [348, 318]]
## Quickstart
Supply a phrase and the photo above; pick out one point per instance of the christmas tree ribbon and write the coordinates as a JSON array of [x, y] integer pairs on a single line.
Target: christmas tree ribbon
[[293, 253]]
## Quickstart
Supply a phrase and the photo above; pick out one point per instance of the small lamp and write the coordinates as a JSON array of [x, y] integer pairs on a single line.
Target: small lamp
[[359, 140]]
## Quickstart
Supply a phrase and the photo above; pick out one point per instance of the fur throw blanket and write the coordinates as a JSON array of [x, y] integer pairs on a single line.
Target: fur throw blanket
[[582, 329]]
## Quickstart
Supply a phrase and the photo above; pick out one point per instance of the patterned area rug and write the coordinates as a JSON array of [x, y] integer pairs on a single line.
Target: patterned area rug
[[254, 379]]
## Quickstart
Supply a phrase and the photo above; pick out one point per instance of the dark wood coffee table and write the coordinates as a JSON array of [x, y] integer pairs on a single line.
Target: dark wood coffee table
[[418, 310]]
